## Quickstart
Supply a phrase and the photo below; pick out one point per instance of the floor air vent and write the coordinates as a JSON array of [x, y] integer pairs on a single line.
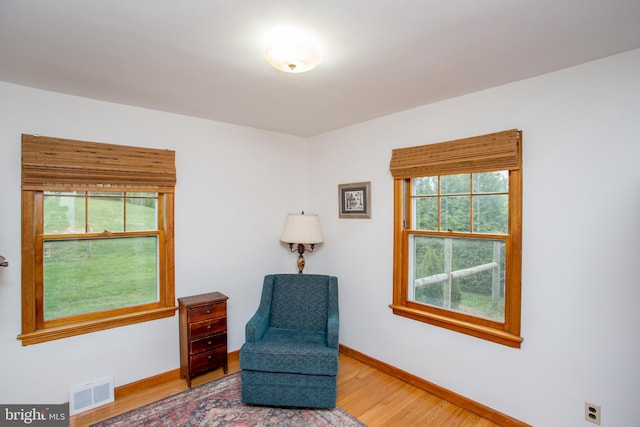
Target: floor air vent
[[90, 395]]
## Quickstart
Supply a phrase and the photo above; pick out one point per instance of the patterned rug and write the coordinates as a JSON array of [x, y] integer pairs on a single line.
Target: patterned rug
[[217, 403]]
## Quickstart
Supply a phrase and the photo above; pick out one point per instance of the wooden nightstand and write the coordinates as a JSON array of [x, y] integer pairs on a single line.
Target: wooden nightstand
[[203, 334]]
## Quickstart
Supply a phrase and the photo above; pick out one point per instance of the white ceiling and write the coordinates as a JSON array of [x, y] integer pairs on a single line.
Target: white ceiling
[[204, 58]]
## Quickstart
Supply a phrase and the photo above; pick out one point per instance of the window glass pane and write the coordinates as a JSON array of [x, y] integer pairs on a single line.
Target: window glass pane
[[142, 211], [142, 194], [455, 184], [64, 193], [427, 285], [105, 213], [428, 255], [64, 212], [90, 275], [491, 214], [425, 186], [106, 194], [464, 275], [491, 182], [425, 213], [455, 213]]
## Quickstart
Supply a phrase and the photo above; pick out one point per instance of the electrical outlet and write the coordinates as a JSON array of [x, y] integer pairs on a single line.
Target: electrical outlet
[[592, 413]]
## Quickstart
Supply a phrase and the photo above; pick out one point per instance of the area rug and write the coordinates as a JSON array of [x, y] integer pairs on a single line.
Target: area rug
[[218, 404]]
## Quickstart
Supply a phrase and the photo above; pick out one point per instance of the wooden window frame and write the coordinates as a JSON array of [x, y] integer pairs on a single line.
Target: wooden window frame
[[499, 151], [61, 164]]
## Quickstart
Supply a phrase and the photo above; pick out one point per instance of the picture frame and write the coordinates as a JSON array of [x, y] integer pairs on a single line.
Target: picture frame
[[354, 200]]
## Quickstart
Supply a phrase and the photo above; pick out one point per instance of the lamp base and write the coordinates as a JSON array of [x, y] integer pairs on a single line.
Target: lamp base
[[301, 250]]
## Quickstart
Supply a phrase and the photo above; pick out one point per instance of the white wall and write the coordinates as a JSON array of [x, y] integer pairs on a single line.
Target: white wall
[[580, 283], [235, 187]]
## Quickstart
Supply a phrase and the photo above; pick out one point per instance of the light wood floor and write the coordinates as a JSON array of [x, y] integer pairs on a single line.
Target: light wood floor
[[373, 397]]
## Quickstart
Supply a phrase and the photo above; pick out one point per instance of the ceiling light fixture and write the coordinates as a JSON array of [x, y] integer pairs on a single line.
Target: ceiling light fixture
[[291, 50]]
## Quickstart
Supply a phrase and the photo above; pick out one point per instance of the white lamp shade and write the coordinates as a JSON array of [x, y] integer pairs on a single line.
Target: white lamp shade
[[301, 228]]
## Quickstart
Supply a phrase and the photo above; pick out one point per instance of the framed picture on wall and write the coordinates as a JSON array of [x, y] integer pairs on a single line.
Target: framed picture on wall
[[354, 200]]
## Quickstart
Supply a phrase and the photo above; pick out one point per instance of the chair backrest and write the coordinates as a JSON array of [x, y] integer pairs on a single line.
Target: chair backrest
[[299, 301]]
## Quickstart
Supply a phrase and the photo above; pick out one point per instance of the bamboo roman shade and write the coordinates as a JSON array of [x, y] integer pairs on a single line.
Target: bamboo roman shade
[[495, 151], [48, 162]]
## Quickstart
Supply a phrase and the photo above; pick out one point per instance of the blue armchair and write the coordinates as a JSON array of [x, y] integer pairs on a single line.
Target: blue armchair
[[290, 357]]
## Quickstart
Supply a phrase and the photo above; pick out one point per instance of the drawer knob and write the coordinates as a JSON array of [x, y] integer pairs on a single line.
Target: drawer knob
[[208, 311], [208, 326], [209, 357], [209, 343]]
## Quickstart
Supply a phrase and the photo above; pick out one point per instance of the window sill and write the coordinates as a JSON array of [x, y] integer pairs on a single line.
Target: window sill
[[64, 331], [478, 331]]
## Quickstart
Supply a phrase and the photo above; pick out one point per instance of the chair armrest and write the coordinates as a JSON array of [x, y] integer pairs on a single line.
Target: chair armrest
[[256, 327], [333, 319], [333, 329], [259, 322]]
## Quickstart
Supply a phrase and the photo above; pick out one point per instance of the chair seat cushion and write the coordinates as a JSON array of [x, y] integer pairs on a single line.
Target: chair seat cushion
[[292, 351]]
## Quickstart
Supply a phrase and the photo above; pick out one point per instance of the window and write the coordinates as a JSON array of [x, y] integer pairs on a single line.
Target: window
[[457, 238], [97, 237]]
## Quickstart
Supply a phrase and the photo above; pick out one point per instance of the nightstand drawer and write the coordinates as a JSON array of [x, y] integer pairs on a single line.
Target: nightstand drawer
[[208, 343], [204, 362], [208, 327], [197, 314]]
